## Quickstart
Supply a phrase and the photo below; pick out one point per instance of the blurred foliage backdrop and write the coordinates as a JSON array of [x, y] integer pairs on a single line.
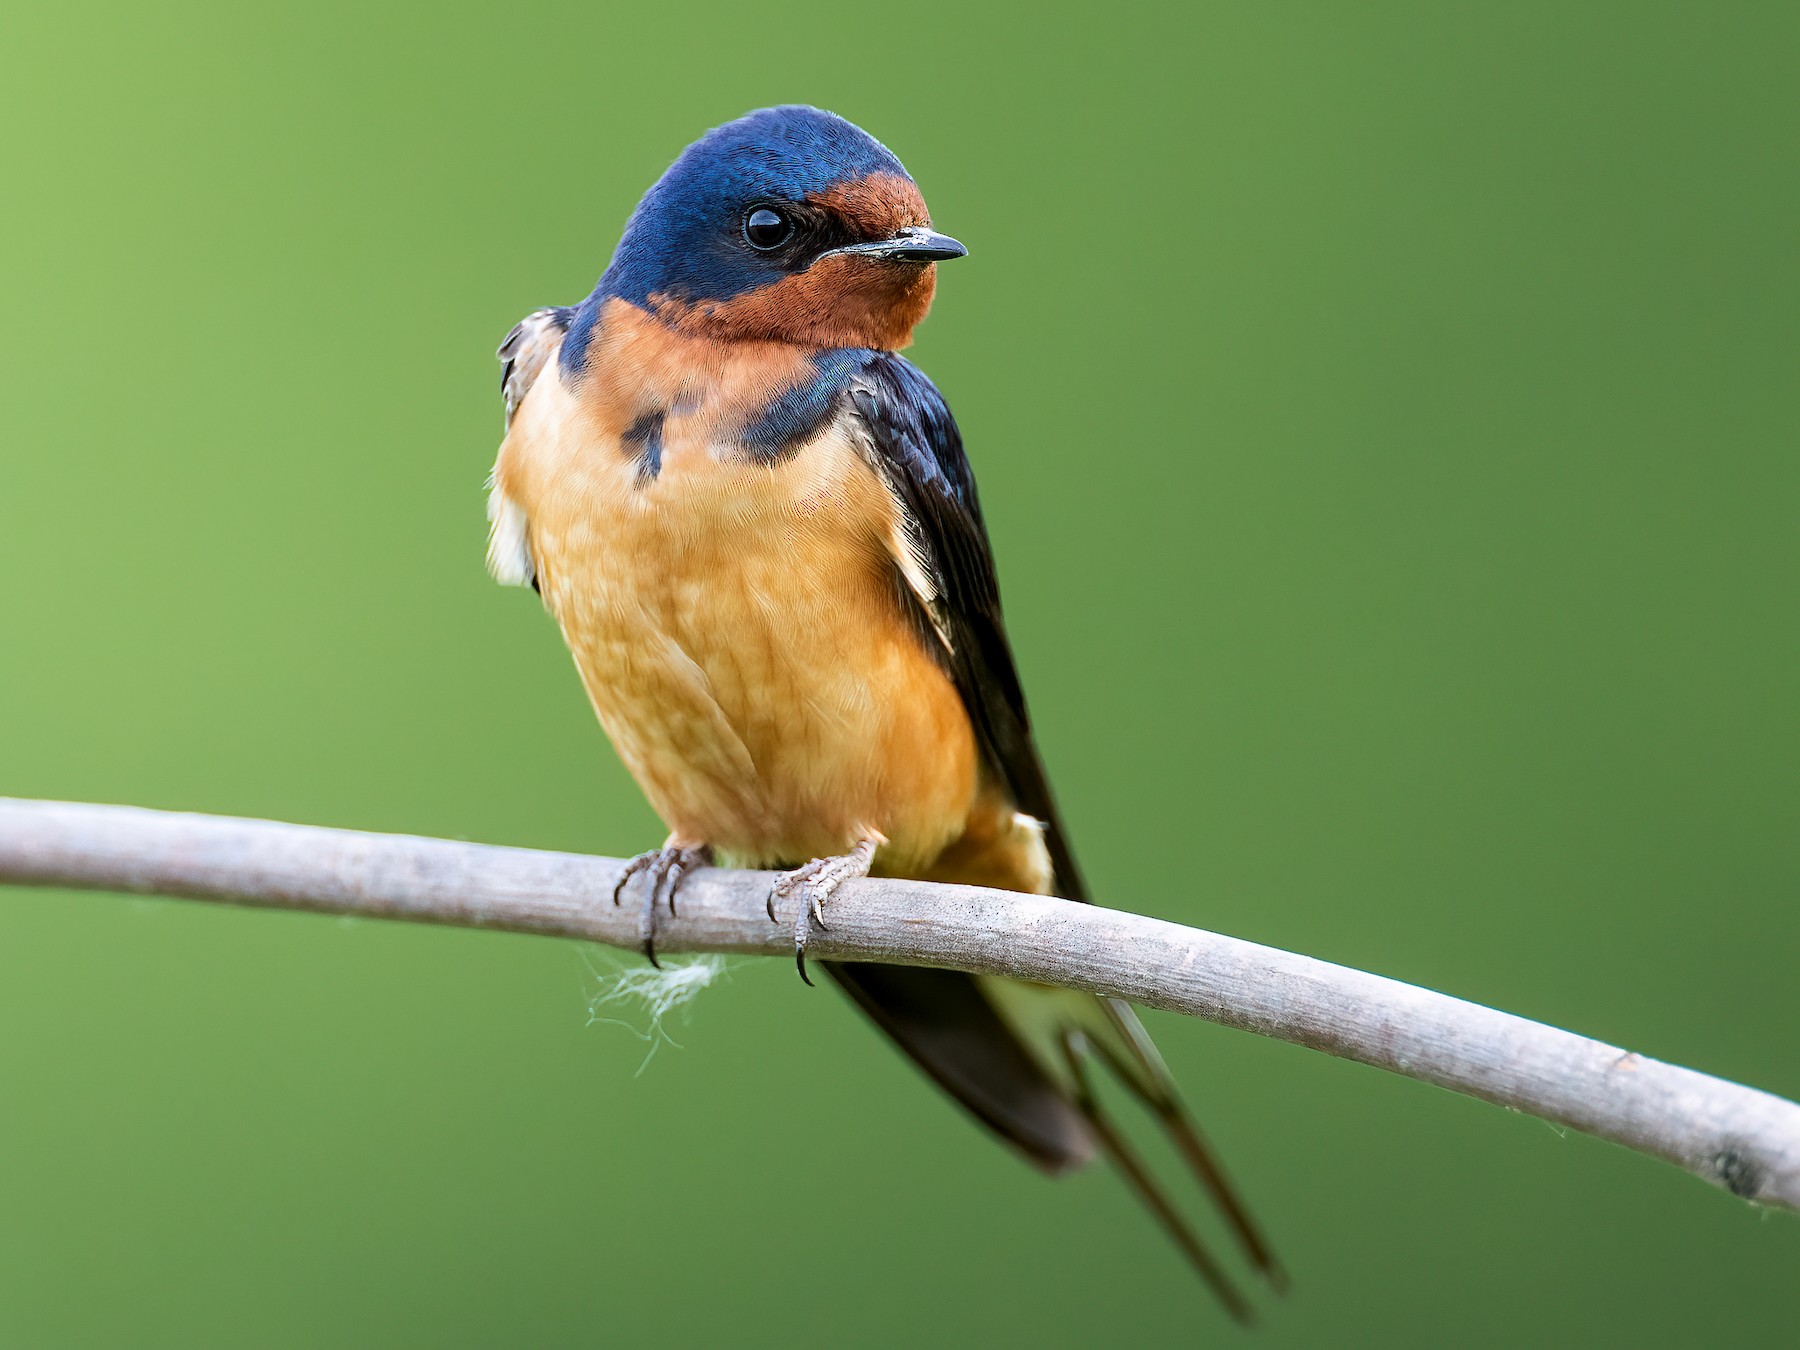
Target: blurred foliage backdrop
[[1386, 419]]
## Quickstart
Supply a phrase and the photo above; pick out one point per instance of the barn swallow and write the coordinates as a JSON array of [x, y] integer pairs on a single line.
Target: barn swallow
[[755, 525]]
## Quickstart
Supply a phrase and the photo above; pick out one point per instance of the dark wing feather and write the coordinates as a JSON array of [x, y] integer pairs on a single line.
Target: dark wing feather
[[919, 451], [946, 1021], [943, 1019]]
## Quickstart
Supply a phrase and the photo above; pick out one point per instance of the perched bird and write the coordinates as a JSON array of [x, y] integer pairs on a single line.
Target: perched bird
[[755, 525]]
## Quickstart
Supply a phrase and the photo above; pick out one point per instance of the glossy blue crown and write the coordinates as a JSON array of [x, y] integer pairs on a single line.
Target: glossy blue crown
[[684, 238]]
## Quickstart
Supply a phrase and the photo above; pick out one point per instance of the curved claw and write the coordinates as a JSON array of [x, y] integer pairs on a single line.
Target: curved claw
[[803, 919], [632, 867], [669, 881]]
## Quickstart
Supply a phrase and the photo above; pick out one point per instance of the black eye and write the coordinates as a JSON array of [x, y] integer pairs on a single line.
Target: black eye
[[766, 229]]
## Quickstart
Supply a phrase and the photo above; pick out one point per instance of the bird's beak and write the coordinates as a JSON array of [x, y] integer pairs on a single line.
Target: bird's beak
[[913, 244]]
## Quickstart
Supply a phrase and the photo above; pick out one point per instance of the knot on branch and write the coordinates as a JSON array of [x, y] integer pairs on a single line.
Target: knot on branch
[[1739, 1172]]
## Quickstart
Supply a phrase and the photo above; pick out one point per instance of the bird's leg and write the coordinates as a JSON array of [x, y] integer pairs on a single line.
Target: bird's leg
[[814, 885], [662, 870]]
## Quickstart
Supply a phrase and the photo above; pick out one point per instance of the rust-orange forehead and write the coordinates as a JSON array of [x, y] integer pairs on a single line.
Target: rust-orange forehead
[[876, 206]]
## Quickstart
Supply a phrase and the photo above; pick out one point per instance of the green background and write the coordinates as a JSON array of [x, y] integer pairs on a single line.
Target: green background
[[1385, 416]]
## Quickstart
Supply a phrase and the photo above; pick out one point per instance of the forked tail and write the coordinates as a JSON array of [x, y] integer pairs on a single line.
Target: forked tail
[[1020, 1057]]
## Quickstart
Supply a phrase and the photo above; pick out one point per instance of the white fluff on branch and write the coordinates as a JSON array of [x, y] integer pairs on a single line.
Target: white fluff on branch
[[655, 992]]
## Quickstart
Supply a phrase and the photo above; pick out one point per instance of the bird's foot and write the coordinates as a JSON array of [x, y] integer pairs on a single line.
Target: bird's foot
[[662, 870], [814, 884]]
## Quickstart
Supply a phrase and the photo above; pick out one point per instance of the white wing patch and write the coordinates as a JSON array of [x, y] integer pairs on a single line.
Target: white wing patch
[[509, 553], [909, 552]]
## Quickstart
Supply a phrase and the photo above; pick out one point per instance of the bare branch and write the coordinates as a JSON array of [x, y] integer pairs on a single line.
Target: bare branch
[[1733, 1136]]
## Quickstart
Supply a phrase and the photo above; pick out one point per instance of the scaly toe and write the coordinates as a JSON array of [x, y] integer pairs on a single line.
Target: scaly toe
[[814, 884], [662, 870]]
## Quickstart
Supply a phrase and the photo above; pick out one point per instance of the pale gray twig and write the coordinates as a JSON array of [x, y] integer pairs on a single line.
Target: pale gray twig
[[1733, 1136]]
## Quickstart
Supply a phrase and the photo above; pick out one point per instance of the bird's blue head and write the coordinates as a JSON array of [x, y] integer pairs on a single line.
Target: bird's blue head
[[789, 224]]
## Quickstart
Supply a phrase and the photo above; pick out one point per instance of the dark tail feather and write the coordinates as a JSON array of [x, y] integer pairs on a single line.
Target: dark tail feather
[[975, 1036], [946, 1024], [1205, 1165], [1158, 1094], [1125, 1158]]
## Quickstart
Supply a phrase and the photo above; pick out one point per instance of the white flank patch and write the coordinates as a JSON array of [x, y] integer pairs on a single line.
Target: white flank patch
[[508, 557]]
